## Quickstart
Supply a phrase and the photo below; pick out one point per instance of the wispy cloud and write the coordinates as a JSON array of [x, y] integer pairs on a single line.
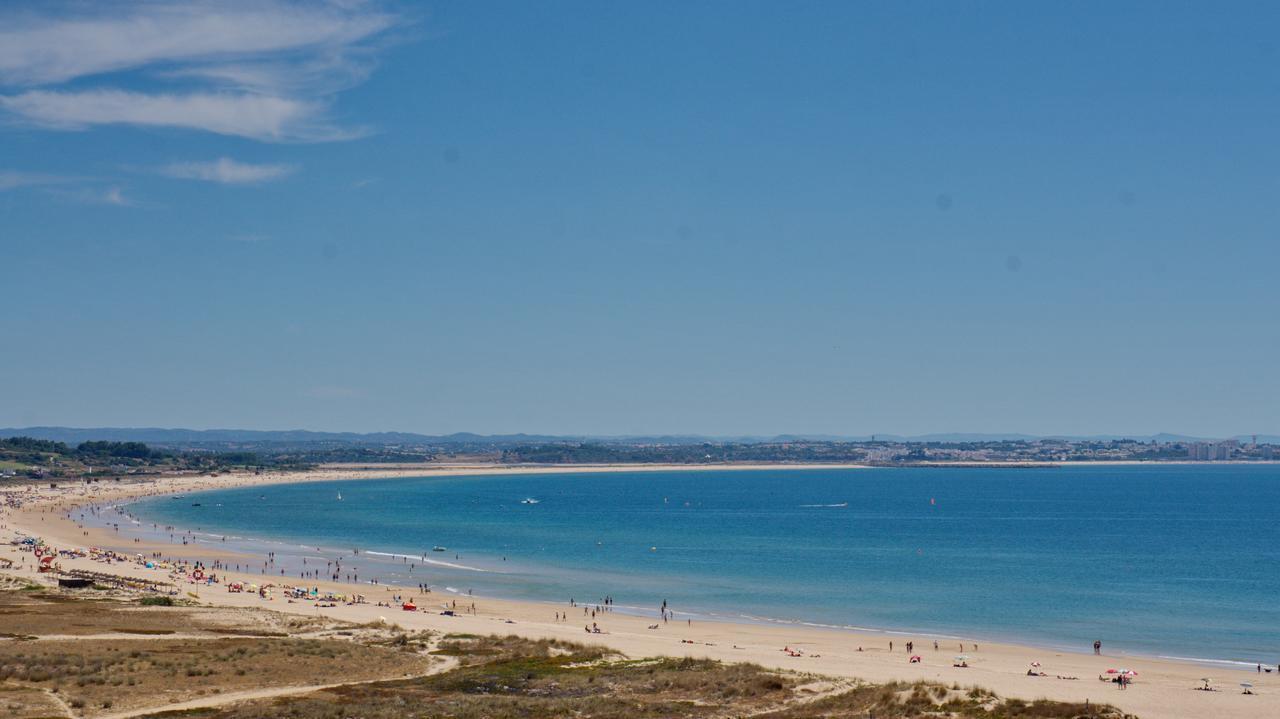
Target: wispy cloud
[[227, 171], [113, 196], [13, 179], [52, 48], [254, 116], [84, 190], [266, 70]]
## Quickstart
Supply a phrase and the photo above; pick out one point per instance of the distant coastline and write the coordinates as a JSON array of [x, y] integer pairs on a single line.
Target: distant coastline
[[54, 452]]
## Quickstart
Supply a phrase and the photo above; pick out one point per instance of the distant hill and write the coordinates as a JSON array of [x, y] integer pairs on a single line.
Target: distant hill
[[178, 436], [157, 435]]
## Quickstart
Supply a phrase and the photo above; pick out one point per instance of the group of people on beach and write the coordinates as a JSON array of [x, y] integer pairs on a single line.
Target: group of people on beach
[[911, 646]]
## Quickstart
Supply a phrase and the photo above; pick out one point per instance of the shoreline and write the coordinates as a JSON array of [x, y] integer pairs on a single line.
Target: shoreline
[[1162, 689], [378, 560]]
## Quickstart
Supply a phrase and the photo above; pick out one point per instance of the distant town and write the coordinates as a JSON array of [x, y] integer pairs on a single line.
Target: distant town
[[899, 452], [36, 457]]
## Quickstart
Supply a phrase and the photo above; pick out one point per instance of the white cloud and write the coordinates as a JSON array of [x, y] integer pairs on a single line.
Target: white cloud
[[327, 73], [255, 116], [227, 171], [265, 70], [53, 48]]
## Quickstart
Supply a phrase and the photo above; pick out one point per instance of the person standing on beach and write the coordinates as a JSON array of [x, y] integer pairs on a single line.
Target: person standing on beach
[[1097, 646]]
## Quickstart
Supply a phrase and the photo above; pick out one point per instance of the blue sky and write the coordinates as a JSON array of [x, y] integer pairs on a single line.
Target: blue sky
[[616, 218]]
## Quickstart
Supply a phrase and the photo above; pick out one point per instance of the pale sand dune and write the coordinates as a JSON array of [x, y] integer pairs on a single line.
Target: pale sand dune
[[1163, 688]]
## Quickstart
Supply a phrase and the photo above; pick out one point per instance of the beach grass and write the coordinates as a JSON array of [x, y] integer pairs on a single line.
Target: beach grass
[[102, 673]]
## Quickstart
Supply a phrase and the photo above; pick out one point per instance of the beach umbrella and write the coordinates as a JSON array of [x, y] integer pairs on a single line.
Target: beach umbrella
[[961, 657], [1246, 685], [1035, 664]]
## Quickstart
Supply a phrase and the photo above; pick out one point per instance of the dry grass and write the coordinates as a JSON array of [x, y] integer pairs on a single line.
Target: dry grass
[[88, 612], [99, 673], [222, 650], [899, 701], [27, 703]]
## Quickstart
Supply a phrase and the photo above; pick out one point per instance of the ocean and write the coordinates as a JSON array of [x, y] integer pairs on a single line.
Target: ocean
[[1175, 560]]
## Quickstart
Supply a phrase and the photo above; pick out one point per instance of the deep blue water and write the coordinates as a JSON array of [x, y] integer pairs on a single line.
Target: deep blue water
[[1164, 560]]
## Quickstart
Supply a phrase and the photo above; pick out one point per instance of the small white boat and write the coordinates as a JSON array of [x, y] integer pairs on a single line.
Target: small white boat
[[339, 496], [437, 548], [528, 500]]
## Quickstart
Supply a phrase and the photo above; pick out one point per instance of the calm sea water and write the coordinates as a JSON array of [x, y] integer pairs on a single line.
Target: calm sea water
[[1164, 560]]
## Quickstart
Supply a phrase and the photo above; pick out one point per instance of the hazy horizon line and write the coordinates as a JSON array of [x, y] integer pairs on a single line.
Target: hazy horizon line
[[955, 436]]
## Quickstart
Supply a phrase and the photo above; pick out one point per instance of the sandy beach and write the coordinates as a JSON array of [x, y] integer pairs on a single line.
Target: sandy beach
[[1162, 688]]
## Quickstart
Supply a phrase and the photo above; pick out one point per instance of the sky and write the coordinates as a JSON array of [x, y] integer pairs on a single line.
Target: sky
[[624, 218]]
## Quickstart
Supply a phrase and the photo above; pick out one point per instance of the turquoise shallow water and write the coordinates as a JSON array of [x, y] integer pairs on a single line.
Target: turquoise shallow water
[[1164, 560]]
